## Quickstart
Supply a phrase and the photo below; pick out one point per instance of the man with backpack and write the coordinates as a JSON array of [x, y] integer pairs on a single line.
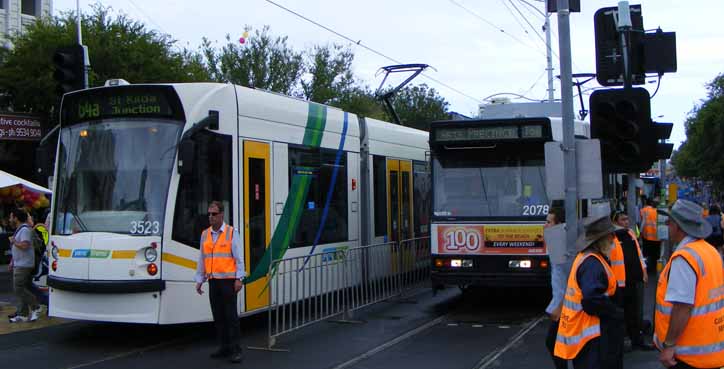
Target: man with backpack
[[22, 266]]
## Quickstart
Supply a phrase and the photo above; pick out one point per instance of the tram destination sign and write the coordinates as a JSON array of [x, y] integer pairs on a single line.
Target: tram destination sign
[[489, 133], [124, 101]]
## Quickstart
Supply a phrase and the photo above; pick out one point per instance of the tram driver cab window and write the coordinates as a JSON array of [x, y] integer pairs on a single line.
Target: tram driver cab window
[[211, 179]]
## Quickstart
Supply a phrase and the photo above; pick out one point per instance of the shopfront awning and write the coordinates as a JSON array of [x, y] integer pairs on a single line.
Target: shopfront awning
[[9, 180]]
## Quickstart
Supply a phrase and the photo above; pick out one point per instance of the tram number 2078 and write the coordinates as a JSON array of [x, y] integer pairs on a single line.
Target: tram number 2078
[[535, 210]]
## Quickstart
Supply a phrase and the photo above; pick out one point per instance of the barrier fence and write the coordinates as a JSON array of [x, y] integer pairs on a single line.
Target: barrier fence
[[308, 289]]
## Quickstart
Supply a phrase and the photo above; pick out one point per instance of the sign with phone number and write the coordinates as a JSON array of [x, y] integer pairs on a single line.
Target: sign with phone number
[[490, 239], [20, 128]]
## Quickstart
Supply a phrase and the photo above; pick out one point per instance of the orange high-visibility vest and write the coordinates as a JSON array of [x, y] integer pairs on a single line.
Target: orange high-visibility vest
[[617, 264], [219, 262], [576, 327], [701, 344], [648, 224]]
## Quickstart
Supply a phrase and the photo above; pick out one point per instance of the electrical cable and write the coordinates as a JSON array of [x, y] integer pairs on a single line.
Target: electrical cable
[[514, 16], [147, 17], [360, 44], [658, 84]]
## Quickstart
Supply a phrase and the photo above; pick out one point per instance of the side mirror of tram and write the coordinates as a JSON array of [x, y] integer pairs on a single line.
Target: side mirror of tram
[[186, 150], [44, 161]]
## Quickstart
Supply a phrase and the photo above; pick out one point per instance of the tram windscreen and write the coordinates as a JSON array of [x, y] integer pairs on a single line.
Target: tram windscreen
[[498, 183], [113, 176]]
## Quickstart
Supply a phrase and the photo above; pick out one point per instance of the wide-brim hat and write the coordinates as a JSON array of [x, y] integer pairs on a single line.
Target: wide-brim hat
[[593, 230], [690, 218]]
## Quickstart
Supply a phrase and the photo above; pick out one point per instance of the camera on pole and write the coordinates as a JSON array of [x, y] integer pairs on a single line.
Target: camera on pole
[[69, 68], [621, 120]]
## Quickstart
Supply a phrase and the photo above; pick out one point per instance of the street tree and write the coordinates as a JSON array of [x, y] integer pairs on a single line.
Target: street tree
[[419, 105], [329, 74]]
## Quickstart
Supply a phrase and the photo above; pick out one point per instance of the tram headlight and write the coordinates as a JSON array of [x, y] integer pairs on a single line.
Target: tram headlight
[[54, 252], [150, 254]]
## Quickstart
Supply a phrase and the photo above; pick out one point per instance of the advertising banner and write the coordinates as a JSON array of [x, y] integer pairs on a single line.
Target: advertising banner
[[489, 239], [19, 128]]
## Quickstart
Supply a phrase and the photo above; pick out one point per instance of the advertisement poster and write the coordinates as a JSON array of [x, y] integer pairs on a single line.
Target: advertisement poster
[[490, 239]]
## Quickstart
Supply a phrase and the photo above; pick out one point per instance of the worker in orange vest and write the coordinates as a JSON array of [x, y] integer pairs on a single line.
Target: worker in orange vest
[[689, 314], [634, 272], [221, 262], [649, 237], [590, 331]]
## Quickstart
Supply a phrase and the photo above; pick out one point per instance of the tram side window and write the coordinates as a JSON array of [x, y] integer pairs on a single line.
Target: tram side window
[[379, 171], [211, 180], [422, 200], [319, 166]]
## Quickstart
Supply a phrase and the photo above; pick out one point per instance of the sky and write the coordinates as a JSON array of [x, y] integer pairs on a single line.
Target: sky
[[477, 48]]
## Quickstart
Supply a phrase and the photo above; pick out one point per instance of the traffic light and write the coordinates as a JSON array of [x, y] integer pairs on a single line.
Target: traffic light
[[609, 56], [662, 131], [621, 119], [69, 68]]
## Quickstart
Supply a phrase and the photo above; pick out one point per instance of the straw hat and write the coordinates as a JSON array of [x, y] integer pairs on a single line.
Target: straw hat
[[688, 215], [594, 229]]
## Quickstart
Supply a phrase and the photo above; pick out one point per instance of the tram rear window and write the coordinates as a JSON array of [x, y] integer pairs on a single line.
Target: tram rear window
[[122, 101]]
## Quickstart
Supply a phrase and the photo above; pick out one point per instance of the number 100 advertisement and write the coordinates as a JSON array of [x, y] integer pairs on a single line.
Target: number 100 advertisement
[[489, 239]]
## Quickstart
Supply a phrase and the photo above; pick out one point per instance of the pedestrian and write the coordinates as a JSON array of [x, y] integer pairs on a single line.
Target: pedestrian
[[590, 331], [635, 277], [559, 272], [714, 218], [689, 315], [22, 265], [221, 263], [649, 236]]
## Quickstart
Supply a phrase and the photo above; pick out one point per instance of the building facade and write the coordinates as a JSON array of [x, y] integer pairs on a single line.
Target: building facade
[[16, 15]]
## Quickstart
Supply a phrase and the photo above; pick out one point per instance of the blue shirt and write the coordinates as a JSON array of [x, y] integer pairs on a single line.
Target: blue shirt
[[559, 280], [200, 276]]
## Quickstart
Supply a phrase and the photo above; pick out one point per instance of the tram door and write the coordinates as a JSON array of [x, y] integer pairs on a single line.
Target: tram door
[[399, 202], [257, 227]]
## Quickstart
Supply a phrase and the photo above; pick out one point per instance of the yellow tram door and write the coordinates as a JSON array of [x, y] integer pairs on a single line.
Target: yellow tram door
[[257, 229], [399, 203]]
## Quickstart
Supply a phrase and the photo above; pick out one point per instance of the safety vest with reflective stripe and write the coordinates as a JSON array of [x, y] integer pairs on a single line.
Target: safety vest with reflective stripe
[[701, 344], [648, 224], [617, 265], [576, 327], [219, 262]]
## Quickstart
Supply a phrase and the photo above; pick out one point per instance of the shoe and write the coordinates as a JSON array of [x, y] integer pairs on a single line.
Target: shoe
[[38, 309], [220, 353], [34, 315], [18, 319], [237, 357], [13, 315]]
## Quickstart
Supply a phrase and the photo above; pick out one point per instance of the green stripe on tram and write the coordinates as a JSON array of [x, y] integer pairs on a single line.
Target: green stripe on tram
[[289, 221]]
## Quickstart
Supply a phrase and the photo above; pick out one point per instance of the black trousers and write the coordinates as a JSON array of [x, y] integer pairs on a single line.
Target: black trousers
[[652, 252], [590, 356], [633, 307], [223, 307], [558, 363]]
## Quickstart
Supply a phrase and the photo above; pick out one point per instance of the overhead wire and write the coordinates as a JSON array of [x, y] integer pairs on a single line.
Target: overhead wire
[[143, 13], [514, 16], [360, 44], [476, 15]]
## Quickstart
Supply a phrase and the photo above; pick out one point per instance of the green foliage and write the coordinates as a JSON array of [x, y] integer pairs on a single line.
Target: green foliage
[[331, 74], [263, 62], [419, 105], [118, 47], [702, 154]]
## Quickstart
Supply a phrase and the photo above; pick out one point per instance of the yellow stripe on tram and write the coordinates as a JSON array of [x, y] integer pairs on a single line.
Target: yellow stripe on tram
[[178, 260], [123, 254], [64, 253]]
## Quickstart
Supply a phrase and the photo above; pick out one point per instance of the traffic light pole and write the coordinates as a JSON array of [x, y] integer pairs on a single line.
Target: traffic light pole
[[569, 140], [624, 27], [86, 63]]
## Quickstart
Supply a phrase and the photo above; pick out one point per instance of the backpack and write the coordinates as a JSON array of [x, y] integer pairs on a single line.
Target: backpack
[[36, 240]]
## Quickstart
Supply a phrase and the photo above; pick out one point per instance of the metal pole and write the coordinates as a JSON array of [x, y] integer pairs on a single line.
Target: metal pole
[[569, 143], [86, 59], [549, 58], [624, 26], [77, 8]]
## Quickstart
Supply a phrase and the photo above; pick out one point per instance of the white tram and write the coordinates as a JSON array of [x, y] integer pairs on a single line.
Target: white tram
[[137, 166]]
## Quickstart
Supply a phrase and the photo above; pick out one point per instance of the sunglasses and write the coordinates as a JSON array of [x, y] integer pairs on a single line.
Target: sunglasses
[[212, 214]]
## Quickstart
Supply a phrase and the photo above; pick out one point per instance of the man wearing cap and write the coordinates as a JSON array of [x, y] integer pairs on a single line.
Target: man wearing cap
[[689, 316], [591, 325]]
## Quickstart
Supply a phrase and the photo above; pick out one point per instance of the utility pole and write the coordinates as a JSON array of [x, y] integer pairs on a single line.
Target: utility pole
[[86, 59], [569, 141], [549, 58]]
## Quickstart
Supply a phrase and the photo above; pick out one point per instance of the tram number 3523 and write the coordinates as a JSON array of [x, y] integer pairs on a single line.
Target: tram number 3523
[[457, 239]]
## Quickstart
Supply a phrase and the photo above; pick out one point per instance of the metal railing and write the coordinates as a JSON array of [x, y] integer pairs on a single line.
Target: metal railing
[[309, 289]]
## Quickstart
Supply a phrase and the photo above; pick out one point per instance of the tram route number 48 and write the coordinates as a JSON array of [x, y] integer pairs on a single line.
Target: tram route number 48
[[457, 239]]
